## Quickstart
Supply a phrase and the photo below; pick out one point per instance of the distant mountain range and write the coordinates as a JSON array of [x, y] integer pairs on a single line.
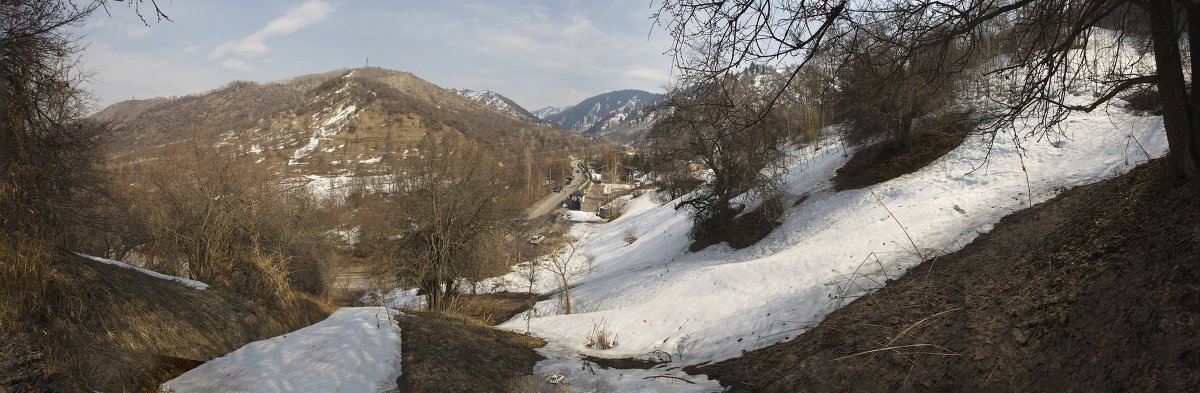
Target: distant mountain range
[[621, 115]]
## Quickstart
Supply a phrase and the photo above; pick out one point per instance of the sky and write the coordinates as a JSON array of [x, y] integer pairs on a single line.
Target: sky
[[537, 53]]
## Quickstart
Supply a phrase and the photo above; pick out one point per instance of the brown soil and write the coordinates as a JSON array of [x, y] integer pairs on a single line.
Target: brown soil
[[1097, 290], [623, 363], [743, 231], [888, 160], [447, 354]]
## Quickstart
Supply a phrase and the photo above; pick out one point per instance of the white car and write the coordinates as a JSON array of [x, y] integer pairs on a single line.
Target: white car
[[536, 239]]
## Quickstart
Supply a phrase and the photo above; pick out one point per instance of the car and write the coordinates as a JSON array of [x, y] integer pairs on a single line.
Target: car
[[535, 239], [558, 189]]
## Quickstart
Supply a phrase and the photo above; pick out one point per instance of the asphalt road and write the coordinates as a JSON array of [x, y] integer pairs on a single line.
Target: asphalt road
[[544, 210]]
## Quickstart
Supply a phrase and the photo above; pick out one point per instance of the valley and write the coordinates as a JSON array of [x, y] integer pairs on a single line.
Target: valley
[[756, 197]]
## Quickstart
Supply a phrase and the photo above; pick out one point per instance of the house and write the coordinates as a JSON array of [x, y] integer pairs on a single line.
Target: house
[[575, 200]]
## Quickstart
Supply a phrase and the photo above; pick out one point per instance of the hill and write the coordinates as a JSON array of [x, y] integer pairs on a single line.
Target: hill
[[338, 124], [132, 331], [1094, 290]]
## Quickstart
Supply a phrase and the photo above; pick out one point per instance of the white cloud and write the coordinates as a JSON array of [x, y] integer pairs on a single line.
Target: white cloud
[[254, 45], [121, 75], [237, 65], [660, 74], [579, 25]]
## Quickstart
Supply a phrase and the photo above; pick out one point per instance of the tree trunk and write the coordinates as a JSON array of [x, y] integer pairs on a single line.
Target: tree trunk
[[1182, 131], [566, 295]]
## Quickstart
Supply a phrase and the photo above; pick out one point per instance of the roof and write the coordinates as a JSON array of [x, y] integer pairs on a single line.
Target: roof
[[577, 193]]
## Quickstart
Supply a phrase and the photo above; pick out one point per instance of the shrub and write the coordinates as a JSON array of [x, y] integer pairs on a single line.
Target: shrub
[[601, 337]]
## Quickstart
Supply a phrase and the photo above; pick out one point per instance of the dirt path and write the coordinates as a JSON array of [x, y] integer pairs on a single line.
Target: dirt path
[[1097, 290]]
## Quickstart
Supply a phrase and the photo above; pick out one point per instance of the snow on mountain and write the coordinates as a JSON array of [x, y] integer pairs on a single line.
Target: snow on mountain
[[606, 113], [713, 304], [498, 102], [549, 111]]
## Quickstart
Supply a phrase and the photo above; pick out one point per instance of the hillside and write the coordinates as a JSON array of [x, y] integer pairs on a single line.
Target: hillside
[[1094, 290], [135, 331], [330, 125], [831, 247]]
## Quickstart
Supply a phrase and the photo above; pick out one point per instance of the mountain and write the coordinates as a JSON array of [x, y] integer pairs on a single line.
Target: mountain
[[549, 111], [341, 123], [498, 102], [619, 115]]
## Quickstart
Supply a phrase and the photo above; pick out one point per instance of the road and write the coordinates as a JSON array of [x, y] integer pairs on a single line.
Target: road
[[543, 210]]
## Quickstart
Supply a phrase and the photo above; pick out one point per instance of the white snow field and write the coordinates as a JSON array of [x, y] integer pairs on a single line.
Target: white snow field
[[714, 304], [357, 349], [185, 281]]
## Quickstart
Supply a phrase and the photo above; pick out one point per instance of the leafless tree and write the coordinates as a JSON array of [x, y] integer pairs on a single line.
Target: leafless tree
[[1049, 48], [446, 217], [228, 222], [722, 125], [566, 263], [48, 156]]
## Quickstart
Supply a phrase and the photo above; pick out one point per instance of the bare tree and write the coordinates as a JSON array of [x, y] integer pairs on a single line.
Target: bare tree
[[567, 264], [48, 156], [882, 90], [446, 217], [1049, 47], [723, 126], [228, 222]]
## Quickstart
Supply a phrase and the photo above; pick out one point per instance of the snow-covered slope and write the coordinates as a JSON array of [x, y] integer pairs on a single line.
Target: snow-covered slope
[[498, 102], [357, 349], [714, 304]]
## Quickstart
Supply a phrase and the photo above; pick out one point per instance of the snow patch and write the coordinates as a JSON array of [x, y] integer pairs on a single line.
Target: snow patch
[[357, 349], [185, 281]]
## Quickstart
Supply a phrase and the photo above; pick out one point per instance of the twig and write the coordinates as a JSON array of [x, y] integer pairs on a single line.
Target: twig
[[668, 376], [890, 214]]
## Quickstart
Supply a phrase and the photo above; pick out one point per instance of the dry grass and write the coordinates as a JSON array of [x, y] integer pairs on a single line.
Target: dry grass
[[489, 309], [601, 336], [125, 331]]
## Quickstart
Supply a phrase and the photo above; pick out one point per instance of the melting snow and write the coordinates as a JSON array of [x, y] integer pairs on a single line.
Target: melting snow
[[151, 273], [357, 349], [713, 304]]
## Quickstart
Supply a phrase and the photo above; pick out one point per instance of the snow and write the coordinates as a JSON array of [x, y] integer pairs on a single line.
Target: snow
[[357, 349], [580, 216], [400, 299], [330, 127], [829, 249], [185, 281]]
